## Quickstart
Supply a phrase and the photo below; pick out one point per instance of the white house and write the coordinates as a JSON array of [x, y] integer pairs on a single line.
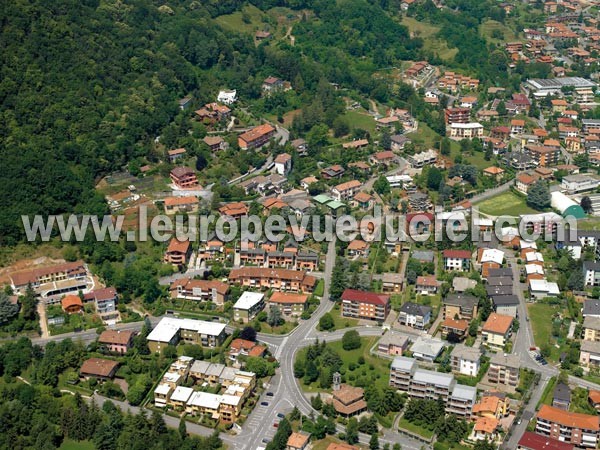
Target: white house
[[283, 164], [227, 97], [543, 288]]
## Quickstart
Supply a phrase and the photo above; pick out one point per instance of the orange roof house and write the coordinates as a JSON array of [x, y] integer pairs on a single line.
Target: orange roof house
[[349, 401], [298, 441], [498, 323], [71, 304], [99, 368], [178, 252], [234, 209]]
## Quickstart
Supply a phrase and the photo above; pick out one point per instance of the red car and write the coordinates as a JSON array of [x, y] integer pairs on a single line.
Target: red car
[[275, 424]]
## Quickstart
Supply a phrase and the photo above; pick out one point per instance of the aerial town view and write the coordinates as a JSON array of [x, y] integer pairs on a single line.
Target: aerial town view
[[300, 225]]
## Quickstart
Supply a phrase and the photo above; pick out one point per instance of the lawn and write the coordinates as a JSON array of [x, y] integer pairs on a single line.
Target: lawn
[[282, 329], [428, 33], [70, 444], [592, 223], [540, 316], [505, 204], [341, 322], [374, 370], [362, 120], [405, 424]]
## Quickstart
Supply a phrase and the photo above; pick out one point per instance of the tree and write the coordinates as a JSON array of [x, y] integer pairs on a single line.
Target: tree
[[484, 445], [8, 310], [182, 428], [374, 442], [351, 340], [445, 146], [352, 431], [538, 196], [382, 185], [248, 334], [257, 365], [434, 178], [201, 162], [316, 402], [586, 204], [326, 322], [501, 109], [386, 140], [275, 318]]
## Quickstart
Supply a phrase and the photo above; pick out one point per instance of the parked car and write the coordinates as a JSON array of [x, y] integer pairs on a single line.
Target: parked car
[[264, 403], [270, 394]]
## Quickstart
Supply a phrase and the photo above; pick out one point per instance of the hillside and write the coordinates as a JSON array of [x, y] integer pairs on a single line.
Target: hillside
[[87, 86]]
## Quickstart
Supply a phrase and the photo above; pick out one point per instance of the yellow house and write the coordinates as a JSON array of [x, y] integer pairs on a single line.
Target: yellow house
[[496, 330], [559, 105], [492, 407]]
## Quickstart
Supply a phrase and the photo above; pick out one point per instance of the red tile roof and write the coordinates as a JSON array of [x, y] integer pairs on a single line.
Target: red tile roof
[[365, 297], [99, 367], [462, 254], [533, 441]]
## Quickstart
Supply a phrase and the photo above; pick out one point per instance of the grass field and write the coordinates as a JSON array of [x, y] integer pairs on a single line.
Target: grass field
[[374, 371], [403, 423], [70, 444], [358, 119], [593, 223], [341, 322], [488, 27], [507, 203], [540, 315], [235, 22], [428, 33]]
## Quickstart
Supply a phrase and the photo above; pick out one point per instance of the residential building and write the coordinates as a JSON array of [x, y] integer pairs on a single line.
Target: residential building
[[453, 329], [494, 405], [543, 288], [290, 304], [426, 285], [504, 370], [170, 330], [414, 315], [392, 343], [235, 210], [543, 155], [256, 137], [227, 97], [589, 354], [276, 279], [184, 178], [517, 126], [245, 348], [283, 164], [485, 429], [461, 306], [591, 308], [427, 384], [534, 441], [335, 171], [461, 401], [200, 290], [117, 341], [466, 130], [248, 305], [345, 191], [215, 143], [465, 360], [71, 304], [427, 349], [524, 181], [98, 368], [459, 260], [422, 159], [52, 280], [591, 328], [365, 305], [457, 115], [574, 428], [497, 330], [178, 205], [594, 399], [507, 305], [178, 252], [176, 154], [562, 396]]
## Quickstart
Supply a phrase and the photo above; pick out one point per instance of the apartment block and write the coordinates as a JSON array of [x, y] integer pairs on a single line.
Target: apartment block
[[365, 305], [577, 429]]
